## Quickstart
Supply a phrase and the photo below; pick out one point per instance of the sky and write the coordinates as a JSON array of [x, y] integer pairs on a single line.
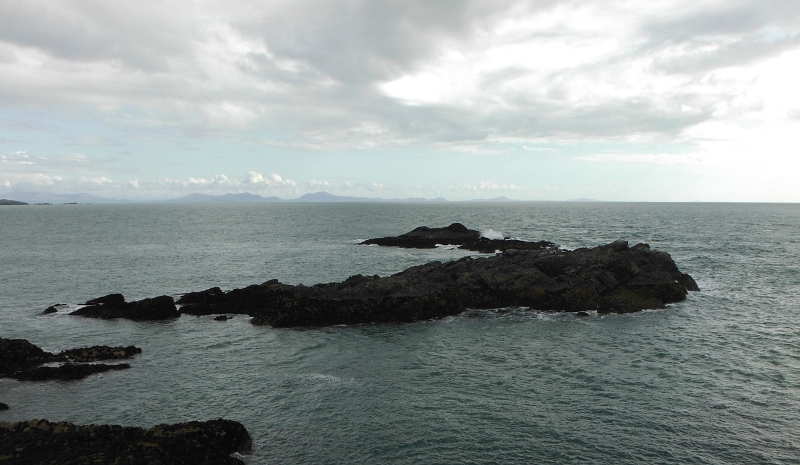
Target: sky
[[533, 100]]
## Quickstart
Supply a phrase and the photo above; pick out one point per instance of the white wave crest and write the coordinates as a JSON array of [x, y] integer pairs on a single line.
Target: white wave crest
[[492, 234]]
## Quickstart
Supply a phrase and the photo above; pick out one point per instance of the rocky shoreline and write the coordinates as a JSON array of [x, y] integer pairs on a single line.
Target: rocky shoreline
[[45, 442]]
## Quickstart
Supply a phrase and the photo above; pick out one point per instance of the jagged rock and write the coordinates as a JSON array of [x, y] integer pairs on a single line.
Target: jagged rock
[[424, 237], [609, 278], [50, 309], [196, 303], [65, 372], [21, 360], [19, 354], [45, 442], [114, 306]]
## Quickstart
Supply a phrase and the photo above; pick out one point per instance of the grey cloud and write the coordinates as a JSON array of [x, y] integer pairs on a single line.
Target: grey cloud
[[736, 33], [90, 30], [361, 41], [738, 53], [608, 119], [736, 17]]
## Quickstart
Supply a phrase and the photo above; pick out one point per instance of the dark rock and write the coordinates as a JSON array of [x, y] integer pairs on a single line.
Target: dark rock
[[21, 360], [157, 308], [110, 299], [201, 303], [19, 354], [582, 314], [3, 406], [114, 306], [202, 297], [44, 442], [222, 318], [65, 372], [609, 278], [424, 237], [97, 353], [50, 309]]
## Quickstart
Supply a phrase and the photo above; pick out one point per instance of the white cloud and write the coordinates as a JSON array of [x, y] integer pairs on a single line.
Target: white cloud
[[273, 180], [489, 186], [654, 158]]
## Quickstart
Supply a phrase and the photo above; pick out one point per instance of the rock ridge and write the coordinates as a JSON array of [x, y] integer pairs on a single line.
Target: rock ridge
[[609, 278], [22, 360]]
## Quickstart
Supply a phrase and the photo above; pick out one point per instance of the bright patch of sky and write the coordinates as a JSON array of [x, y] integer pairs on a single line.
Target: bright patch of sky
[[615, 100]]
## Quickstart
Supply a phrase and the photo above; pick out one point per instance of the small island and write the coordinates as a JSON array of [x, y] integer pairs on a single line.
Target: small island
[[611, 278], [424, 237]]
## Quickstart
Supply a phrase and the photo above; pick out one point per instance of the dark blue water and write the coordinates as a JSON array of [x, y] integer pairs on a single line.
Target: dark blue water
[[715, 379]]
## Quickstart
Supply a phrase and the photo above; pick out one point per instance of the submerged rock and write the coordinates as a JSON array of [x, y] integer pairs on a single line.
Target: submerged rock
[[114, 306], [424, 237], [3, 406], [609, 278], [21, 360], [45, 442]]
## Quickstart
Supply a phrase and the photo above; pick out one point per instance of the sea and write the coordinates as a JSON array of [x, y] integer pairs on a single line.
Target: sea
[[711, 380]]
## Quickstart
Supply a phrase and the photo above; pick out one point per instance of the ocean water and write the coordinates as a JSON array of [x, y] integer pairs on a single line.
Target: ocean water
[[712, 380]]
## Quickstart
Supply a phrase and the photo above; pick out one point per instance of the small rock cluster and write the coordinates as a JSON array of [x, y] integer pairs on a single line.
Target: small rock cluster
[[22, 360]]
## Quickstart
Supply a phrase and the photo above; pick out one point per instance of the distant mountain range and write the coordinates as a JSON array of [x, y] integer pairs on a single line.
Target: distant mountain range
[[244, 197], [312, 197]]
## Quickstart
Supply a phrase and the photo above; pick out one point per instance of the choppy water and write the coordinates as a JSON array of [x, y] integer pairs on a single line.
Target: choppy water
[[712, 380]]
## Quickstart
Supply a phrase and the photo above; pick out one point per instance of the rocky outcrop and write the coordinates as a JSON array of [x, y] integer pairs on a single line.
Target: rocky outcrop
[[19, 354], [114, 306], [424, 237], [21, 360], [45, 442], [609, 278]]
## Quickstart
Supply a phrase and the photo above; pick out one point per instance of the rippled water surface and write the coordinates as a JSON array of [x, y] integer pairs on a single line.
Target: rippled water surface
[[712, 380]]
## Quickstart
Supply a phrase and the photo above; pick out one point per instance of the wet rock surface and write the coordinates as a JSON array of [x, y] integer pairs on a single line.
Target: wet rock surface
[[3, 406], [97, 353], [608, 278], [424, 237], [114, 306], [22, 360], [45, 442]]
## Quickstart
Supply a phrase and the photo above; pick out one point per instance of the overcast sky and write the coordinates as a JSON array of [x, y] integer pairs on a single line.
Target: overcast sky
[[541, 100]]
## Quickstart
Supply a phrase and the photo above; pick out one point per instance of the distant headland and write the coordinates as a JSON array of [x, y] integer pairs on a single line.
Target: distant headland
[[12, 202]]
